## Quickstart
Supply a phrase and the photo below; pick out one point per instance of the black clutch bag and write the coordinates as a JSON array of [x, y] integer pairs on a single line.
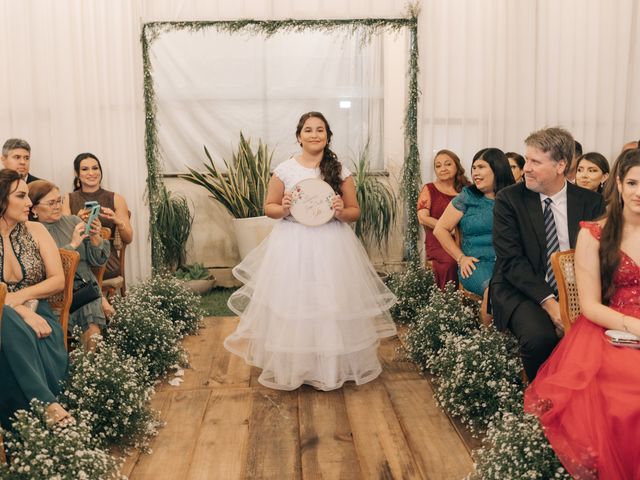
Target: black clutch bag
[[85, 292]]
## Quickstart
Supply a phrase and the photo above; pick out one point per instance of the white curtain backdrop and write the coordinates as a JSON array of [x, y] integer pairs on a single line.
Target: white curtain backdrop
[[211, 85], [491, 71]]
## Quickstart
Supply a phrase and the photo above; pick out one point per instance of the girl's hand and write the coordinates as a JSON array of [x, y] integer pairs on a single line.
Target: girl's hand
[[78, 235], [36, 322], [338, 206], [286, 203], [467, 265]]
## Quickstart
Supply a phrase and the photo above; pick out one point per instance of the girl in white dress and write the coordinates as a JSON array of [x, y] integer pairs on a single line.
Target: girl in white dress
[[312, 309]]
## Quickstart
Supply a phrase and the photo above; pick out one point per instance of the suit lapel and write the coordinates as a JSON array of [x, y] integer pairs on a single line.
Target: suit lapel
[[574, 213], [534, 210]]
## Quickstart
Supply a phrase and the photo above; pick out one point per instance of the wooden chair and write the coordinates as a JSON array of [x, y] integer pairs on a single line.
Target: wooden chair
[[99, 271], [3, 295], [119, 282], [563, 269], [61, 302]]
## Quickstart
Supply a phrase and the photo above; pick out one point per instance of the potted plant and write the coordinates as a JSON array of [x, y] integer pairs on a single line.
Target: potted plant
[[174, 220], [241, 190], [196, 277], [378, 204]]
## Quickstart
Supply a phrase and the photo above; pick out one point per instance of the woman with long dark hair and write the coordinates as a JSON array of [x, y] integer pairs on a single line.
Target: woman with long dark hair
[[33, 358], [432, 201], [586, 394], [114, 213], [472, 209], [312, 310], [592, 171]]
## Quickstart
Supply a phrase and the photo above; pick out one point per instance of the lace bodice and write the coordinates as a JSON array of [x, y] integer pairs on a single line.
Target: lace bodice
[[626, 279], [28, 255], [291, 172]]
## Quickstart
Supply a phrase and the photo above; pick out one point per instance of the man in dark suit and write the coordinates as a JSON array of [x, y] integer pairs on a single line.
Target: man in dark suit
[[16, 155], [531, 220]]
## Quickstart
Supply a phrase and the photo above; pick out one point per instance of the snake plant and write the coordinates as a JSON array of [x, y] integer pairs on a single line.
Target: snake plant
[[243, 187]]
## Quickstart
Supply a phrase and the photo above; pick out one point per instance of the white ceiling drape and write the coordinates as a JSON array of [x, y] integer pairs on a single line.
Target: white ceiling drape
[[491, 71]]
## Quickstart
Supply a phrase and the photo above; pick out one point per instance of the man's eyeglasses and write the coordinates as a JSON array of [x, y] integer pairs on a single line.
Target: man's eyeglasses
[[52, 203]]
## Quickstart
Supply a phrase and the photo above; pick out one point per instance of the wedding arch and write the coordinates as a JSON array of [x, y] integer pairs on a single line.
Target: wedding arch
[[367, 27]]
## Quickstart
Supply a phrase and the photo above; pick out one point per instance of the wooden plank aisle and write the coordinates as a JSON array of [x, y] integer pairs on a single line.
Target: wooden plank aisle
[[222, 424], [326, 442]]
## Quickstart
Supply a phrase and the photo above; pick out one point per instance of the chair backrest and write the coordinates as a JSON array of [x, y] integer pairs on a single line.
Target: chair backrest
[[61, 302], [99, 271], [564, 271]]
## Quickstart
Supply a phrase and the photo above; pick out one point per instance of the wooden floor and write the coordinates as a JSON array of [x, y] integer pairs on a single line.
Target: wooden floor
[[222, 424]]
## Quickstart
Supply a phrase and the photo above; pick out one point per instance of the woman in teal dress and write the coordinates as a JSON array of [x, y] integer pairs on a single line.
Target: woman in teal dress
[[68, 233], [472, 211], [33, 359]]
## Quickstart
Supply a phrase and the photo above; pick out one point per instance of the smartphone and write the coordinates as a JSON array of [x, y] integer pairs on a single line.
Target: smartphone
[[94, 211]]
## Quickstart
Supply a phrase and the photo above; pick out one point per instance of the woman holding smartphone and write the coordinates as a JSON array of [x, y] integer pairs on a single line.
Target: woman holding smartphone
[[70, 232]]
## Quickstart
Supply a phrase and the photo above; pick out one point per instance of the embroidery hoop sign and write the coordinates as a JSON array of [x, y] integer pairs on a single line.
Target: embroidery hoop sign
[[311, 202]]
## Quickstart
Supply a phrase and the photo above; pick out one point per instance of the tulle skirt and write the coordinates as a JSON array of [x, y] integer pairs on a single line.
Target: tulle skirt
[[312, 308], [587, 396]]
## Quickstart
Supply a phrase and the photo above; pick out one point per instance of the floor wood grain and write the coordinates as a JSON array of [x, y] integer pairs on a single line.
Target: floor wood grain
[[222, 424]]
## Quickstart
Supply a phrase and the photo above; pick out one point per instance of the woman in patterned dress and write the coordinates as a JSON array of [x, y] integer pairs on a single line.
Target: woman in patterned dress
[[33, 358]]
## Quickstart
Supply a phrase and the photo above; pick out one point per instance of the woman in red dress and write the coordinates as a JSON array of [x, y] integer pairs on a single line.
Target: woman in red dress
[[587, 394], [432, 201]]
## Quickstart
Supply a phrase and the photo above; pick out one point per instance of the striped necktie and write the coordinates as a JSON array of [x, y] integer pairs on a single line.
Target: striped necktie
[[553, 245]]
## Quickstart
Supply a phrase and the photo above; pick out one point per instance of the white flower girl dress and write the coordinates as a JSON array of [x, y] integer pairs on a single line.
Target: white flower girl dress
[[312, 309]]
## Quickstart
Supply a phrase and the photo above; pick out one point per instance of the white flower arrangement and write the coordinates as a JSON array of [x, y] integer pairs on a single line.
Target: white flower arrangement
[[111, 386], [39, 451], [477, 375], [411, 286], [146, 333], [515, 447], [447, 312], [165, 292]]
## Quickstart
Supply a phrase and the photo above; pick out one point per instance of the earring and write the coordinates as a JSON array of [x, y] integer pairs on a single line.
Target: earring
[[34, 214]]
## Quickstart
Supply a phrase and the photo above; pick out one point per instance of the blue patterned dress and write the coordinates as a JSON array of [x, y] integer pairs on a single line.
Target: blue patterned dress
[[476, 227]]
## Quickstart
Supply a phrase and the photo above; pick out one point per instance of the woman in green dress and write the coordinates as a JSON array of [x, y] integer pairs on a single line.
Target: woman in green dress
[[33, 359], [68, 233]]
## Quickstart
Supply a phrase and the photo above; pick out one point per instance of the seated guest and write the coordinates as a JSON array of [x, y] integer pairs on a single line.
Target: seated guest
[[16, 155], [432, 201], [472, 209], [516, 162], [531, 220], [577, 153], [114, 212], [592, 171], [586, 394], [33, 358], [68, 233]]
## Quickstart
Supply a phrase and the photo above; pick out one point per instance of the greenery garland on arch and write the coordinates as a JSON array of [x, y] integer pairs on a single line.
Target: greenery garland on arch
[[367, 26]]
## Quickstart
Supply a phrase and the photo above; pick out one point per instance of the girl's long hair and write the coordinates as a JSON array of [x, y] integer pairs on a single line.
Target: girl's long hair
[[330, 167], [611, 237]]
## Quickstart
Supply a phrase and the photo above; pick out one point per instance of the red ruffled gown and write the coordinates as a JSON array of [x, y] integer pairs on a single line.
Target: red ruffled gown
[[587, 394]]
